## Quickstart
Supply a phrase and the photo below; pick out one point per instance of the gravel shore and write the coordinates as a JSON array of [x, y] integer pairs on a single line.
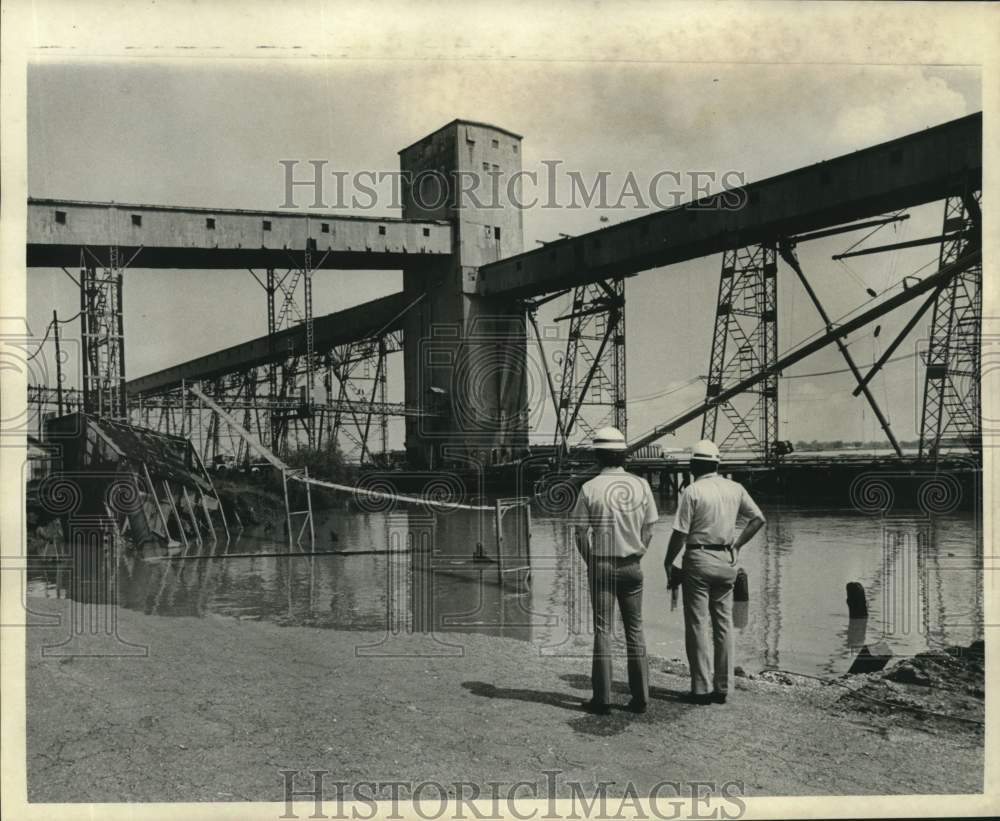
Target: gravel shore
[[218, 707]]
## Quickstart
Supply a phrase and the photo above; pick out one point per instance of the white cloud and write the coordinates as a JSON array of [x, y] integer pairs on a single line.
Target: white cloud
[[903, 101]]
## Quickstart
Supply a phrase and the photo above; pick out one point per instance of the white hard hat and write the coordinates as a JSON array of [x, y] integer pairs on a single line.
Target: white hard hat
[[705, 450], [609, 439]]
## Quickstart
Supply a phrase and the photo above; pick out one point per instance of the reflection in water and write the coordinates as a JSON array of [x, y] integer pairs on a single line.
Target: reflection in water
[[741, 614], [414, 572], [772, 549], [857, 636]]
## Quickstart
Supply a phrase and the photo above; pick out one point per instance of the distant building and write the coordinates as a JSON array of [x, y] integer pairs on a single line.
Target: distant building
[[653, 451]]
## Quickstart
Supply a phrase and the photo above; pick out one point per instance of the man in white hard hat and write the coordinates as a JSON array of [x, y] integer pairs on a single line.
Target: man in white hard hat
[[613, 519], [708, 511]]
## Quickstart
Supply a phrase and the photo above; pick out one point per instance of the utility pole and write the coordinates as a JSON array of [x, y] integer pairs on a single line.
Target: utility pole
[[59, 375]]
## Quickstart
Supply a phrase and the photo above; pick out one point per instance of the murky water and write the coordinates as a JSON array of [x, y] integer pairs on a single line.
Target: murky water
[[419, 574]]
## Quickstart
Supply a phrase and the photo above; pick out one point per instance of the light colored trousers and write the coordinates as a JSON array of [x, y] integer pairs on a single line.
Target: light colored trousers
[[708, 597], [611, 581]]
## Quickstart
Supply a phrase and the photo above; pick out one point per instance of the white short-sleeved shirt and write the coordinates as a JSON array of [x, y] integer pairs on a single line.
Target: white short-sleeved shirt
[[709, 508], [615, 505]]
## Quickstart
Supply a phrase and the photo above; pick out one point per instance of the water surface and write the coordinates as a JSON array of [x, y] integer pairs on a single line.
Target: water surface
[[419, 573]]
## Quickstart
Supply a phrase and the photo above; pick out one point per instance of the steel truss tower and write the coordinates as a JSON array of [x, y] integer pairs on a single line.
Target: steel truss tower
[[745, 342], [294, 378], [592, 387], [951, 408], [102, 333]]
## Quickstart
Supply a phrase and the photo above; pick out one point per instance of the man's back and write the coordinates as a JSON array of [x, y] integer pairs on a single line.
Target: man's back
[[709, 508], [612, 524], [616, 504]]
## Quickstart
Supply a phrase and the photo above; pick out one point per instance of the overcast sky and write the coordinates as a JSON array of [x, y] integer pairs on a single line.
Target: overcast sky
[[211, 133]]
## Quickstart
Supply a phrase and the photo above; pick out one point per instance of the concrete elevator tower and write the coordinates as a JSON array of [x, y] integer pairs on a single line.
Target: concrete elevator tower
[[465, 354]]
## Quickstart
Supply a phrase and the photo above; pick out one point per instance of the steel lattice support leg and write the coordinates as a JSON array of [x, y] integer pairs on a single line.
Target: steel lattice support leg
[[102, 335], [272, 370], [592, 391], [951, 408], [744, 342], [383, 418], [619, 383], [294, 379], [309, 359]]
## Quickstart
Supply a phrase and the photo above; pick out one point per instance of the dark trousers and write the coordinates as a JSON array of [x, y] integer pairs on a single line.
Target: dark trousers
[[618, 580]]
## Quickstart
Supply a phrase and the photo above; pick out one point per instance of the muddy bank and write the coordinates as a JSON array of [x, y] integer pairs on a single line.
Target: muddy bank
[[942, 690], [218, 706], [927, 690]]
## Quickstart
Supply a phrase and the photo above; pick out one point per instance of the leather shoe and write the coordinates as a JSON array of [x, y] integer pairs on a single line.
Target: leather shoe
[[697, 698], [596, 708], [718, 698], [636, 706]]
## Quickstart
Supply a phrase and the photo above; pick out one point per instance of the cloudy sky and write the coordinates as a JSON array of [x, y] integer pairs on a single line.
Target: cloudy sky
[[212, 132]]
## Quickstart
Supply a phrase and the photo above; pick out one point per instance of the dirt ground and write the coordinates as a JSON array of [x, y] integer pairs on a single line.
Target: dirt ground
[[219, 707]]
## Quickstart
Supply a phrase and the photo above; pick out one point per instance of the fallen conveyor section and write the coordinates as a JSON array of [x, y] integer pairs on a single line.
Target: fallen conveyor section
[[294, 475]]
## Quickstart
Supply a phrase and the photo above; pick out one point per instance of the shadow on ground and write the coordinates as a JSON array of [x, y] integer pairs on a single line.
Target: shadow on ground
[[609, 725], [580, 682]]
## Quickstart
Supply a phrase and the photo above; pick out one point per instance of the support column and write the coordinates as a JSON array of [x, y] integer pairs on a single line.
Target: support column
[[292, 381], [592, 391], [744, 342], [951, 414], [102, 334]]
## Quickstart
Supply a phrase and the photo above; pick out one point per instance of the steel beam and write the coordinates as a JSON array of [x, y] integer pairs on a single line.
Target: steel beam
[[891, 349], [843, 229], [788, 255], [927, 166], [338, 328], [41, 395], [896, 246]]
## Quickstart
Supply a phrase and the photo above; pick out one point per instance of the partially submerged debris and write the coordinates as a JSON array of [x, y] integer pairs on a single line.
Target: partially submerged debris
[[140, 485], [940, 685]]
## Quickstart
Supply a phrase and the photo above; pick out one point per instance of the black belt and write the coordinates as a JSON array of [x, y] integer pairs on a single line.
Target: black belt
[[633, 557], [710, 546]]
